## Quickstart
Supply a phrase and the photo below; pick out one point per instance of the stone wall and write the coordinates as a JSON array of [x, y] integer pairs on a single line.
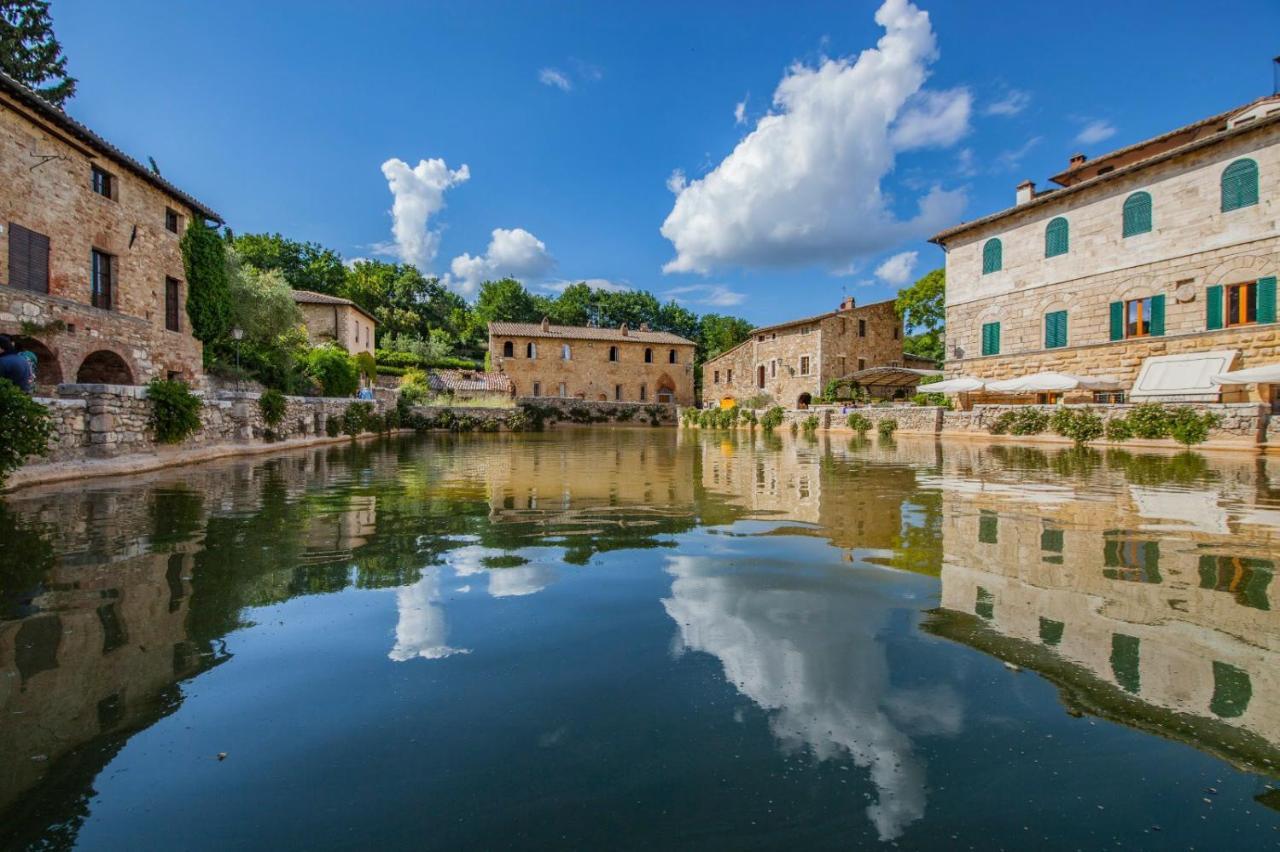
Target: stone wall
[[578, 411], [1240, 423]]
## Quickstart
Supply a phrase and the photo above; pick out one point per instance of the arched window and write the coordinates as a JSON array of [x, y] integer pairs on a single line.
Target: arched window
[[992, 256], [1137, 214], [671, 357], [508, 350], [648, 356], [1056, 239], [531, 350], [1239, 185], [613, 353], [565, 353]]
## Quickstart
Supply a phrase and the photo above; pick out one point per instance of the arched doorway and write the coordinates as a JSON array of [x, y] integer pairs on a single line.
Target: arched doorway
[[804, 400], [48, 372], [760, 376], [666, 390], [104, 367]]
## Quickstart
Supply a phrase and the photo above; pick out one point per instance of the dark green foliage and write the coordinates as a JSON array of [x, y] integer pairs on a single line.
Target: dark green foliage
[[922, 308], [387, 359], [859, 423], [271, 404], [307, 266], [1148, 420], [1187, 426], [31, 54], [358, 417], [332, 427], [655, 413], [1020, 421], [175, 410], [811, 423], [366, 365], [887, 427], [204, 257], [1118, 429], [772, 418], [625, 414], [1079, 424], [334, 370], [25, 428]]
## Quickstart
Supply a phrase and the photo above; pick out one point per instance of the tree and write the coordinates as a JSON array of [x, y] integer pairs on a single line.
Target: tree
[[204, 257], [923, 307], [306, 266], [718, 334], [275, 338], [29, 52], [504, 300]]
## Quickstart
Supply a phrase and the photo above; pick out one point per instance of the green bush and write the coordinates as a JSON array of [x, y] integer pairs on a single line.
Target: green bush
[[387, 358], [1079, 424], [271, 404], [1187, 426], [939, 399], [811, 423], [1118, 429], [204, 259], [358, 417], [749, 417], [772, 418], [1020, 421], [334, 370], [859, 423], [366, 365], [332, 427], [25, 429], [175, 410], [887, 427], [1148, 420]]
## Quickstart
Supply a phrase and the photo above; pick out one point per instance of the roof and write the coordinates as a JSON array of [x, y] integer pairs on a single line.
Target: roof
[[578, 332], [894, 377], [70, 126], [1196, 144], [310, 297], [802, 321], [468, 380]]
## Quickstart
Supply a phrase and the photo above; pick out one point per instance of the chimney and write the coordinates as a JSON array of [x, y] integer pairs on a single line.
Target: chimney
[[546, 324], [1026, 191], [644, 326], [1077, 160], [846, 304], [623, 328]]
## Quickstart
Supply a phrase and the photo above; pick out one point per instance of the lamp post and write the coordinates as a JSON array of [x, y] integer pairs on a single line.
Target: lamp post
[[237, 334]]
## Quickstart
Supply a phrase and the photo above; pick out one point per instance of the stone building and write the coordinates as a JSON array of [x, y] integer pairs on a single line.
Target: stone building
[[471, 385], [793, 361], [1162, 248], [610, 364], [91, 274], [337, 320]]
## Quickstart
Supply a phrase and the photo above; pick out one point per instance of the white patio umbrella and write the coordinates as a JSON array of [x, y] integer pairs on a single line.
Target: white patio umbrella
[[1054, 383], [1267, 374], [960, 384]]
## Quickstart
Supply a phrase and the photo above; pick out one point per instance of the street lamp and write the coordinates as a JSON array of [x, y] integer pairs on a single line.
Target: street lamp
[[237, 334]]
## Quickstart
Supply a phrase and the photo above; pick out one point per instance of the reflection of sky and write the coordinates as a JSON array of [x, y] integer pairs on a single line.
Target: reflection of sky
[[808, 654]]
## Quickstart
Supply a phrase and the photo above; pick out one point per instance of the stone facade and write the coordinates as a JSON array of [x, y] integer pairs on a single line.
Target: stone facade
[[593, 364], [792, 362], [47, 195], [1192, 244], [337, 320]]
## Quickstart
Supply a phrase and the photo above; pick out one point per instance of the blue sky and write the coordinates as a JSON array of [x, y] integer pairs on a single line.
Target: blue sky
[[578, 122]]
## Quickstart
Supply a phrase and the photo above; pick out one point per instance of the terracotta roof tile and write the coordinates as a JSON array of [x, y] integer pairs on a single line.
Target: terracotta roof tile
[[576, 332], [310, 297], [468, 380]]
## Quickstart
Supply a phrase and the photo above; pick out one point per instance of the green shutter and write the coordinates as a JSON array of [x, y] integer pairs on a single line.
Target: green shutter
[[1056, 238], [1267, 299], [1137, 214], [992, 256], [1156, 325], [1055, 330], [1239, 185], [1117, 320], [995, 339], [991, 338], [1213, 307]]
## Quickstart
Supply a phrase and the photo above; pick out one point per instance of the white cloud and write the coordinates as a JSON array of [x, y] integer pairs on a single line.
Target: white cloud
[[418, 195], [710, 295], [604, 284], [1011, 159], [898, 269], [555, 77], [1095, 131], [965, 166], [586, 70], [1013, 102], [740, 112], [803, 187], [514, 253], [676, 181]]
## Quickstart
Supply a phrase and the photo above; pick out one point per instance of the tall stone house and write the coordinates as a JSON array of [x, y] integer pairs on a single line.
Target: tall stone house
[[1160, 249], [334, 319], [792, 362], [91, 274], [590, 363]]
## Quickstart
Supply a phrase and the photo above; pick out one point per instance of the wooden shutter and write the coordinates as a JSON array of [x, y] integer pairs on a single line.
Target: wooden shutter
[[1267, 299], [992, 259], [1056, 239], [1239, 185], [171, 302], [1137, 214], [1213, 307], [1117, 320], [991, 338], [28, 259], [1055, 329], [1155, 326]]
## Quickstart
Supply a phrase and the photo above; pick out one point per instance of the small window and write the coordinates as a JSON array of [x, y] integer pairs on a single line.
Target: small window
[[991, 338], [804, 365], [508, 349], [172, 304], [564, 390], [1055, 330], [862, 364], [648, 356], [773, 368], [617, 393], [537, 388], [1137, 321], [897, 332], [1056, 238], [172, 221], [1242, 303], [806, 329], [992, 256], [862, 328], [613, 353], [716, 379], [100, 283], [1137, 214], [103, 183], [565, 353], [760, 339], [531, 350], [728, 377], [1239, 185], [671, 357], [644, 393]]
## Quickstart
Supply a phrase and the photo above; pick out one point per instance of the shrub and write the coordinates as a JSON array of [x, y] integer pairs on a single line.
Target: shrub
[[332, 427], [811, 423], [887, 427], [1118, 429], [334, 370], [413, 386], [366, 365], [749, 417], [626, 414], [1020, 421], [939, 399], [358, 417], [1079, 424], [271, 404], [859, 423], [1187, 426], [175, 410], [534, 419], [25, 429], [772, 418], [655, 413], [204, 259], [759, 401], [1149, 420]]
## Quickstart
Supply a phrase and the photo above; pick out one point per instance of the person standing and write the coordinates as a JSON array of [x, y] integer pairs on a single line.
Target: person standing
[[17, 367]]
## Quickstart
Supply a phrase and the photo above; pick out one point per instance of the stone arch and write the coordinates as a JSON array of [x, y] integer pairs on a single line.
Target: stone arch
[[1237, 269], [666, 389], [1137, 287], [48, 370], [804, 400], [104, 367]]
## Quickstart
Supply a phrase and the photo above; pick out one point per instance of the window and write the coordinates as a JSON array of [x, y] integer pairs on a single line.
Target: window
[[537, 389], [617, 392], [728, 377], [565, 353], [1241, 304], [644, 393], [991, 338], [564, 391], [862, 328], [531, 350], [172, 304], [172, 221], [992, 256], [508, 349], [613, 353], [1056, 239], [804, 365], [897, 332], [100, 280], [1055, 330], [716, 379], [773, 369], [28, 259], [1131, 559], [760, 339], [1137, 214], [1138, 317], [1239, 185], [671, 357], [102, 183], [1246, 579], [648, 356], [806, 329]]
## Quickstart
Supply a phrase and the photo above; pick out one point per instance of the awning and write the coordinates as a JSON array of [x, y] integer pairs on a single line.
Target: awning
[[894, 377], [1267, 374], [960, 384], [1054, 383], [1182, 378]]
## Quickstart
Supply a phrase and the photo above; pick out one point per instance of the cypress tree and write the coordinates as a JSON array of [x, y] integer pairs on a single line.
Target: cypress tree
[[204, 256], [30, 53]]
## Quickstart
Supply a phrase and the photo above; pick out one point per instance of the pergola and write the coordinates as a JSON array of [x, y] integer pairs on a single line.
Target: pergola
[[888, 377]]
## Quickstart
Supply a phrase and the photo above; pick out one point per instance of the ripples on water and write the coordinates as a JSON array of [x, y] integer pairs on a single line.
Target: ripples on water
[[642, 638]]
